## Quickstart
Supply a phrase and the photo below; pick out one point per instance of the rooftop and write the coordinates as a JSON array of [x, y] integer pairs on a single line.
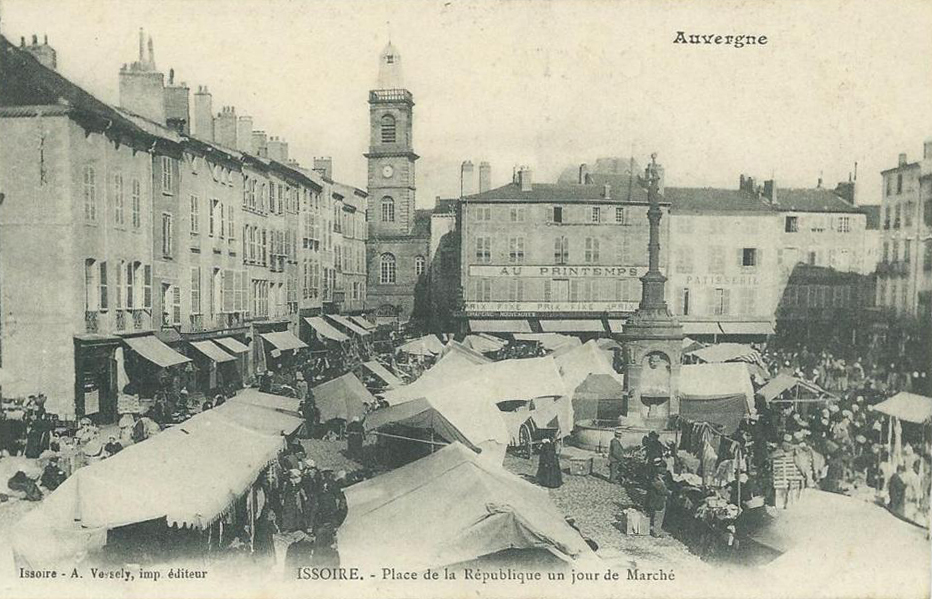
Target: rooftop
[[710, 199], [873, 216], [550, 192], [817, 199]]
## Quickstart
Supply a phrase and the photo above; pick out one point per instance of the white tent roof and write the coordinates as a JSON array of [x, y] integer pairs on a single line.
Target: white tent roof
[[710, 381], [726, 352], [578, 363], [450, 507], [428, 345], [910, 407]]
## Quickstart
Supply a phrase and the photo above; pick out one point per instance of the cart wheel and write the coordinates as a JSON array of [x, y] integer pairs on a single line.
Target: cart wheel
[[524, 439]]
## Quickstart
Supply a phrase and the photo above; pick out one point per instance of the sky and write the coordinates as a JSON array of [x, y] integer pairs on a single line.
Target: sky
[[542, 84]]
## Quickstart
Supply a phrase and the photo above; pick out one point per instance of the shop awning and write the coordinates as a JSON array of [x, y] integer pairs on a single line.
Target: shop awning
[[350, 325], [499, 326], [746, 328], [383, 373], [283, 340], [590, 325], [701, 328], [364, 323], [325, 329], [212, 351], [232, 345], [155, 351], [910, 407]]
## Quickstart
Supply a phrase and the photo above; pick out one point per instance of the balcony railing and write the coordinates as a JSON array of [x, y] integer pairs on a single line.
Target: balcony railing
[[120, 320], [139, 319], [91, 322], [196, 322]]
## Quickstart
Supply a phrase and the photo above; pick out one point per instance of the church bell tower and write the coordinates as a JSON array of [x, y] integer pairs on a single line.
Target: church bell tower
[[391, 154]]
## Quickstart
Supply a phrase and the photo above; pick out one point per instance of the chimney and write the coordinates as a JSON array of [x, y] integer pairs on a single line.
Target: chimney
[[927, 149], [750, 185], [525, 178], [485, 176], [741, 182], [467, 179], [203, 114], [902, 160], [845, 189], [260, 144], [225, 127], [606, 192], [177, 107], [244, 133], [142, 87], [43, 52], [770, 191], [583, 174], [323, 165], [278, 149]]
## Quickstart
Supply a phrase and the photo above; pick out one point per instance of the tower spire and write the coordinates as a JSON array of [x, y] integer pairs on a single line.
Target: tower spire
[[142, 43]]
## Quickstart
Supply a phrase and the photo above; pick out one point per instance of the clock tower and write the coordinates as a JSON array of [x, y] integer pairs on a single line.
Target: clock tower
[[391, 155]]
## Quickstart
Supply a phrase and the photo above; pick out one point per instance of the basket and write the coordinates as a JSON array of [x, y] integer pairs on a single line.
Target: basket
[[581, 466]]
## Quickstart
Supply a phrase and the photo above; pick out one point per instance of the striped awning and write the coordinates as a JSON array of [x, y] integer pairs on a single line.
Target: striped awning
[[283, 340], [212, 351], [348, 324], [364, 323], [232, 345], [499, 326], [325, 329], [153, 350], [589, 325]]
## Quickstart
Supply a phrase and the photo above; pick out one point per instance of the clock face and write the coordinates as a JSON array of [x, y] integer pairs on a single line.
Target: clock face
[[387, 171]]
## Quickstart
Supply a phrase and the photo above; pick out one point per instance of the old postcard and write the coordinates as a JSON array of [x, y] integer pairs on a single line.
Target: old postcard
[[475, 298]]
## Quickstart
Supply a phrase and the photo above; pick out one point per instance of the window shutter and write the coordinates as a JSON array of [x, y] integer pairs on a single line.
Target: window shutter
[[176, 304], [710, 300], [740, 256]]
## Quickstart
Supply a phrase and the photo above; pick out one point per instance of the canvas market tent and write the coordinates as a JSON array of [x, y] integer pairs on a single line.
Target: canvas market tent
[[581, 361], [383, 373], [720, 394], [455, 414], [788, 389], [450, 369], [484, 343], [343, 398], [189, 474], [467, 353], [447, 508], [591, 392], [549, 341], [910, 407], [428, 345]]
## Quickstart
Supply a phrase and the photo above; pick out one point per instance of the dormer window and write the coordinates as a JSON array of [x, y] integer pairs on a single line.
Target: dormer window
[[390, 59]]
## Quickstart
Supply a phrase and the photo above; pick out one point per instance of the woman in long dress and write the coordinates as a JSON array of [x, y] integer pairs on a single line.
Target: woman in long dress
[[548, 466]]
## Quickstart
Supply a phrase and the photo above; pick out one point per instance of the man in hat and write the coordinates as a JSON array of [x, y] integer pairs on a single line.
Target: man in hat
[[616, 455], [300, 386], [657, 493], [113, 446], [293, 503], [311, 414], [53, 475], [355, 433]]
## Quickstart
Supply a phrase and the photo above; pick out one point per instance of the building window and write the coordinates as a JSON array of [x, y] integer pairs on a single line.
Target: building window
[[621, 215], [137, 204], [166, 174], [195, 290], [844, 224], [749, 257], [483, 290], [558, 214], [561, 250], [388, 129], [720, 301], [130, 295], [484, 250], [684, 301], [886, 251], [515, 290], [517, 215], [388, 210], [167, 233], [927, 257], [419, 265], [516, 250], [791, 224], [908, 214], [212, 217], [591, 255], [118, 200], [907, 246], [90, 194], [483, 213], [118, 285], [91, 288], [895, 251], [899, 183], [103, 287], [748, 300], [897, 210], [195, 215], [595, 214], [717, 260], [812, 258], [387, 269], [886, 217]]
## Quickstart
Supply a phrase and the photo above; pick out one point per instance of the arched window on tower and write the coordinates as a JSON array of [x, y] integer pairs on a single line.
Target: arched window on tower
[[387, 269], [388, 210], [388, 129], [419, 264]]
